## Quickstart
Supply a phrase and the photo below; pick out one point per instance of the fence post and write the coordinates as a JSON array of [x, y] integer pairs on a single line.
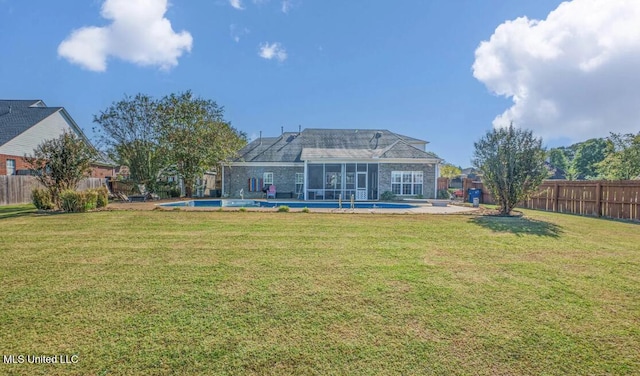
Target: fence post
[[556, 194], [599, 199]]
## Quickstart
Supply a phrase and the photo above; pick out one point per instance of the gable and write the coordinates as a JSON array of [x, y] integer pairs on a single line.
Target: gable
[[48, 128], [16, 116]]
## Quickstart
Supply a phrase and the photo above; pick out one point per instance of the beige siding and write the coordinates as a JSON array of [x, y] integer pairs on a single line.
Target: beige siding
[[49, 128]]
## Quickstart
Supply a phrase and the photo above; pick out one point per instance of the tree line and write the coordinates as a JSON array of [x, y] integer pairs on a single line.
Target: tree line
[[178, 135], [616, 157], [514, 163]]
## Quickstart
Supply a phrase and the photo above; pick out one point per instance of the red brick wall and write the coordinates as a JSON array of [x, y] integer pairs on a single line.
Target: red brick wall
[[101, 171], [97, 171], [20, 163]]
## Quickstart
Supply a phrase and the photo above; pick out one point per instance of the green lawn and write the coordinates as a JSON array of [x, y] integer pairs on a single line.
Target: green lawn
[[177, 292]]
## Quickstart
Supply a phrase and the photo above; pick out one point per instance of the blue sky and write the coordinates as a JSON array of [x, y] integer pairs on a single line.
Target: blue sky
[[412, 66]]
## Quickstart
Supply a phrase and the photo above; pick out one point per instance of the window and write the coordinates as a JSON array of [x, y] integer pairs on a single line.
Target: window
[[299, 178], [268, 178], [11, 166], [406, 183]]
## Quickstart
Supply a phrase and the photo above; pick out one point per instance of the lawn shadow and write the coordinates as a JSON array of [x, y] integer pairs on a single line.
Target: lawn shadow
[[517, 225], [7, 212]]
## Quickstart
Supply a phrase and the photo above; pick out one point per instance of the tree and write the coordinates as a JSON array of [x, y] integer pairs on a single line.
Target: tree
[[196, 135], [512, 163], [448, 170], [130, 129], [61, 163], [558, 160], [588, 155], [623, 158]]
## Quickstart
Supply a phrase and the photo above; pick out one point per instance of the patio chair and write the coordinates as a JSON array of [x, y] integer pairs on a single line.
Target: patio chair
[[271, 192], [147, 195], [123, 197]]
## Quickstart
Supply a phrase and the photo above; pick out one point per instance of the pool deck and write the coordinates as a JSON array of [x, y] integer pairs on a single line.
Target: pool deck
[[421, 208]]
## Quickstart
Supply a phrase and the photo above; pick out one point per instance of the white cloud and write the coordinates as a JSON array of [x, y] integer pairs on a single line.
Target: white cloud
[[573, 75], [139, 33], [273, 51], [236, 4], [286, 6], [237, 32]]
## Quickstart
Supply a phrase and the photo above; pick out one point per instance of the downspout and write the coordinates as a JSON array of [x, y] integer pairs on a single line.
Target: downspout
[[304, 187], [222, 184], [437, 175]]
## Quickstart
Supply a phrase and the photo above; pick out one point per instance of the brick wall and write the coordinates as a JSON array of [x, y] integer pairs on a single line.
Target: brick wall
[[428, 171], [20, 163], [101, 172], [237, 177]]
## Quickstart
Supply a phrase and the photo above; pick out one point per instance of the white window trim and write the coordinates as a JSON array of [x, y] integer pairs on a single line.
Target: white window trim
[[267, 178], [397, 178], [13, 167]]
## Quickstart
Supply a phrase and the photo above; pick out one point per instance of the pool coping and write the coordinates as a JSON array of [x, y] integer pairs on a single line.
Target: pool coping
[[421, 208]]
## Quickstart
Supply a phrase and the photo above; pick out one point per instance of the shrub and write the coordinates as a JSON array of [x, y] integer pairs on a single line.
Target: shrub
[[89, 199], [306, 210], [41, 199], [443, 194], [174, 192], [283, 209], [103, 197], [387, 196], [72, 201], [243, 209]]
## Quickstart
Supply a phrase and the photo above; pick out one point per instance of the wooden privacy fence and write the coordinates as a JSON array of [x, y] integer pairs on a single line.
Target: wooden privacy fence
[[16, 189], [612, 199]]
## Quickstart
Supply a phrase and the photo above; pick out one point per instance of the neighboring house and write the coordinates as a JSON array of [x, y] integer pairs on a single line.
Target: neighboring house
[[470, 173], [24, 124], [321, 164]]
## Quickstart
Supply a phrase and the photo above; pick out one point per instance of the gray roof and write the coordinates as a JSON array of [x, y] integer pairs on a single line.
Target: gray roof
[[334, 144], [17, 116], [23, 115]]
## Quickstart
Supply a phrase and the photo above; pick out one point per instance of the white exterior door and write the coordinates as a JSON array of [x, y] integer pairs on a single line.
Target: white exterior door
[[361, 186]]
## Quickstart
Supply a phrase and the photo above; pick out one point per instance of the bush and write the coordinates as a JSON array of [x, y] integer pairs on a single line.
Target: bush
[[387, 196], [78, 202], [174, 192], [243, 209], [89, 199], [306, 210], [444, 194], [103, 197], [41, 199], [72, 201], [283, 209]]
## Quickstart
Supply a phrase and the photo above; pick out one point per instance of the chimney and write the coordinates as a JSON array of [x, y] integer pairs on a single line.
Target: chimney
[[299, 128], [281, 131], [9, 108], [260, 138]]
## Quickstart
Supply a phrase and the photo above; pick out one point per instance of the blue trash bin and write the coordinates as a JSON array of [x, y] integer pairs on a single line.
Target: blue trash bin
[[475, 193]]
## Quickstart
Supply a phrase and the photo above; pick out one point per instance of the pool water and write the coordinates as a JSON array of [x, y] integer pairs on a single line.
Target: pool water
[[292, 204]]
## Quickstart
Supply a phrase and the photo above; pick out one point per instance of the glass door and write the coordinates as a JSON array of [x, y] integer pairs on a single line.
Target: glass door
[[361, 186]]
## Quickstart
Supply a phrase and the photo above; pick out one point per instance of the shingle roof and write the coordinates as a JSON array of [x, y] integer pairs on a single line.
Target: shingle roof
[[333, 143], [16, 116]]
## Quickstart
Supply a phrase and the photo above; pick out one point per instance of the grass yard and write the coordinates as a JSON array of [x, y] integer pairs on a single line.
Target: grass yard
[[246, 293]]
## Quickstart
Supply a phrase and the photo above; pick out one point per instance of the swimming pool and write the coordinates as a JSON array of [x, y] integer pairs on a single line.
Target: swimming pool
[[230, 203]]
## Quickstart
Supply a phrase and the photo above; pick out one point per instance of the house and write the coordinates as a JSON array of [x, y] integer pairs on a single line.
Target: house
[[24, 124], [325, 164]]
